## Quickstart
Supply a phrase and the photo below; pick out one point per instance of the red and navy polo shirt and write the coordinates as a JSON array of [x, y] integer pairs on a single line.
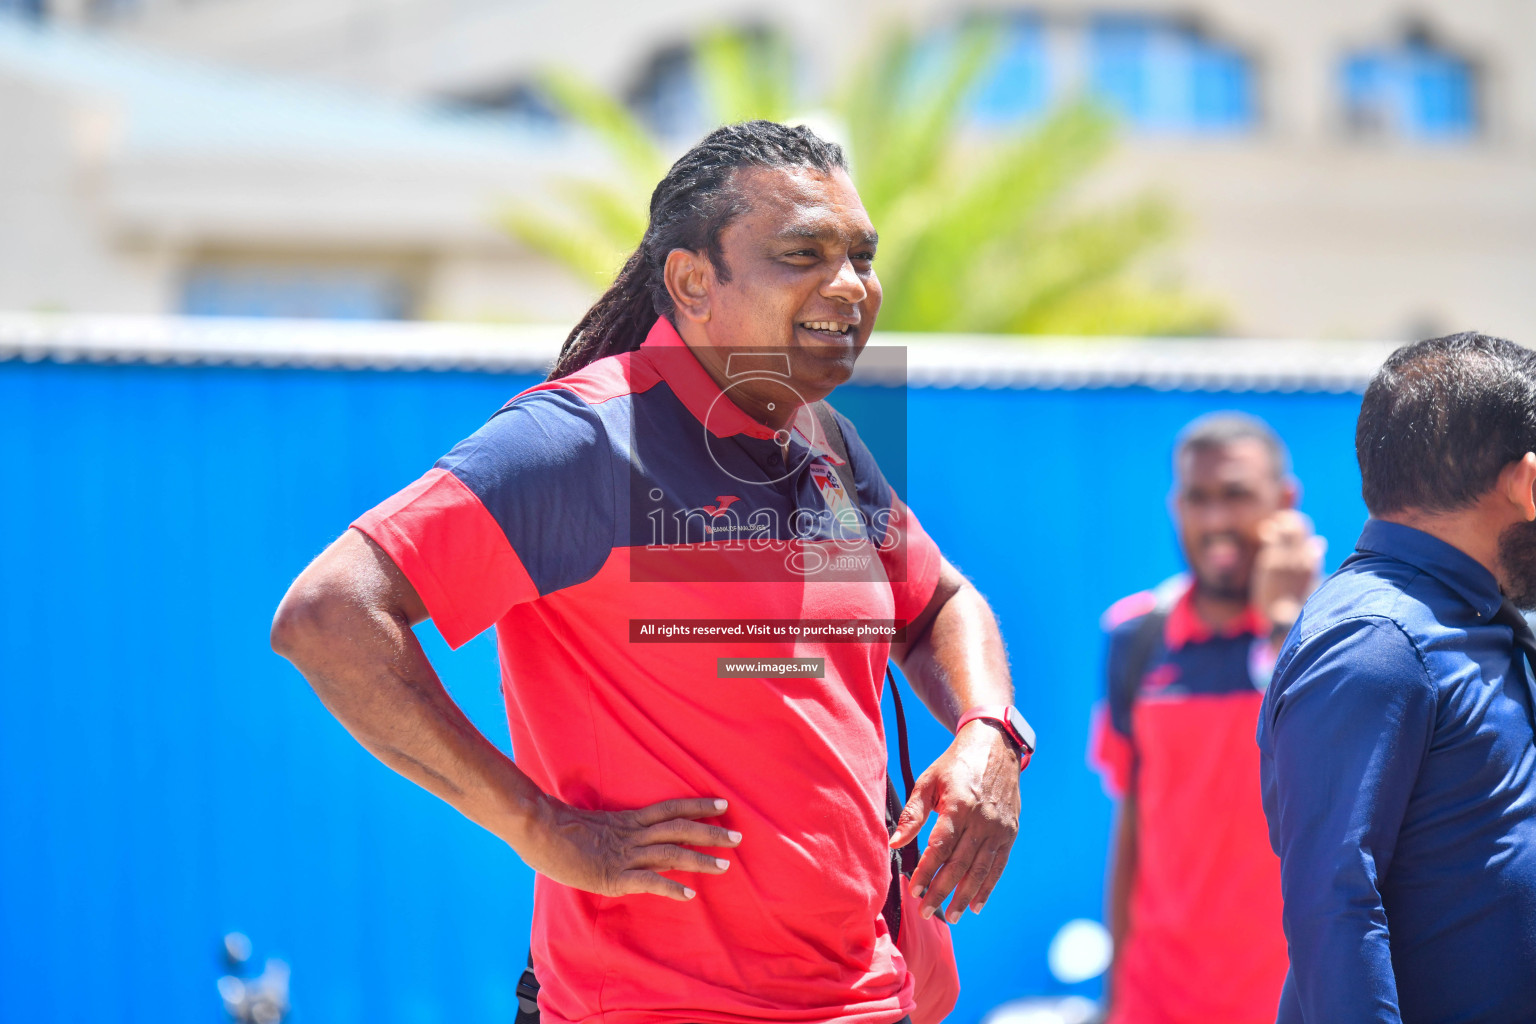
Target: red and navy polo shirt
[[636, 490], [1205, 940]]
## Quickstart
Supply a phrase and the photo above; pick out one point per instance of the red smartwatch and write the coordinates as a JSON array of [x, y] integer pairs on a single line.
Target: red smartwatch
[[1007, 718]]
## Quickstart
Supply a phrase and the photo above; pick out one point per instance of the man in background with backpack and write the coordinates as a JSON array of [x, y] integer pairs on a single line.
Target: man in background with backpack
[[1194, 889]]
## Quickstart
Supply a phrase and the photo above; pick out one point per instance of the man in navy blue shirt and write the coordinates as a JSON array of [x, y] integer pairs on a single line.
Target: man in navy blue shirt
[[1396, 738]]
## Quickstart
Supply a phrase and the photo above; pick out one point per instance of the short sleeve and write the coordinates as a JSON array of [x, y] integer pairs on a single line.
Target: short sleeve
[[912, 562], [523, 507], [1110, 753], [911, 559], [1110, 747]]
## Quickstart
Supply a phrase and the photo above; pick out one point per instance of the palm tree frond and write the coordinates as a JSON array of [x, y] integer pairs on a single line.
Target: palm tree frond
[[610, 121], [616, 214], [923, 97], [981, 231], [745, 76], [587, 254]]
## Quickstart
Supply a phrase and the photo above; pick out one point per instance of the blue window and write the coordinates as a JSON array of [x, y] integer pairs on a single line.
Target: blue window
[[278, 290], [31, 9], [1164, 75], [1415, 91], [669, 97], [106, 10], [1018, 85], [521, 105]]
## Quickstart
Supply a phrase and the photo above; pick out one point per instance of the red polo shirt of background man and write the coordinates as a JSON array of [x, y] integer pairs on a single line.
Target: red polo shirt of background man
[[1194, 888], [1205, 943]]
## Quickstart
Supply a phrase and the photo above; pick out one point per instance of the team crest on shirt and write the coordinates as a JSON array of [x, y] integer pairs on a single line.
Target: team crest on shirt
[[844, 511], [1161, 677]]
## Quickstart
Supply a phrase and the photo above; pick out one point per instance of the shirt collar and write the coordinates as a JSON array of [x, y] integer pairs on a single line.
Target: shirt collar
[[1445, 562], [696, 389], [1186, 626]]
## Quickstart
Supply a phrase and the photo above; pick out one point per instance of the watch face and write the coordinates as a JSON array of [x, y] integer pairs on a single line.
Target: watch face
[[1023, 729]]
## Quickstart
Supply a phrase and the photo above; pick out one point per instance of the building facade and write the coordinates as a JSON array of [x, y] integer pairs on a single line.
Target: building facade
[[1357, 169]]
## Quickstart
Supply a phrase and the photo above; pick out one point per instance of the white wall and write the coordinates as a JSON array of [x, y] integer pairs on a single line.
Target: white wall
[[1301, 230]]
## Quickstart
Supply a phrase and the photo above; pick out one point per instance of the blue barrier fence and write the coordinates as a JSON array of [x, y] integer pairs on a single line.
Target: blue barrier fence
[[165, 778]]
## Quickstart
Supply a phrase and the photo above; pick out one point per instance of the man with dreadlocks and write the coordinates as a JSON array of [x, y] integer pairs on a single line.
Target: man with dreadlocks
[[652, 475]]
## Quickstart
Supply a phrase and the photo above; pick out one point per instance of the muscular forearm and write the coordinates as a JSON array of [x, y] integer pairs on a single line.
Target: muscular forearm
[[364, 662], [959, 661], [954, 659], [346, 625], [374, 677]]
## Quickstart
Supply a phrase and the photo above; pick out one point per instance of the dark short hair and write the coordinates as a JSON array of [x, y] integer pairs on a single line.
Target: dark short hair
[[1441, 419], [1219, 429]]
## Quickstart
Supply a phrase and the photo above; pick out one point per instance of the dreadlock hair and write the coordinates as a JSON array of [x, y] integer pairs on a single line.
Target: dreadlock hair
[[689, 208]]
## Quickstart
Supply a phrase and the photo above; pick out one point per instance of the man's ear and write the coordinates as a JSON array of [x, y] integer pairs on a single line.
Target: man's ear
[[689, 276], [1518, 482], [1290, 492]]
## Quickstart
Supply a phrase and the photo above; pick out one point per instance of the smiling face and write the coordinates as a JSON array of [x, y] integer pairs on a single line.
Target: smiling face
[[801, 282], [1222, 494]]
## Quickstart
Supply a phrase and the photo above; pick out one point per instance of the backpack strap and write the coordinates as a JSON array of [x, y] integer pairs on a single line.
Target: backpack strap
[[527, 995], [833, 431], [909, 852], [901, 733], [839, 445], [1138, 657], [903, 860], [1143, 647]]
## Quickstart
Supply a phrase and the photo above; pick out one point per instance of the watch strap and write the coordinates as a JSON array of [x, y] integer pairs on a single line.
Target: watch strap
[[997, 714]]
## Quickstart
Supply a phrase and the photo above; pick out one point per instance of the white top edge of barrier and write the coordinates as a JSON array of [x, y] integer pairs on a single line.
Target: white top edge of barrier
[[930, 360], [321, 344]]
